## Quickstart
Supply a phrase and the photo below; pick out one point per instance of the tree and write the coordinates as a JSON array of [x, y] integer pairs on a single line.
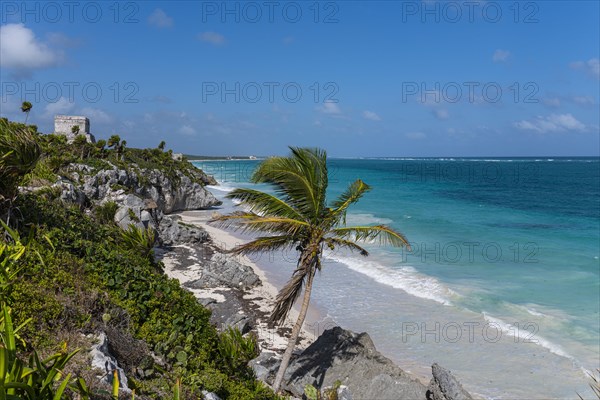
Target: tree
[[26, 107], [161, 145], [113, 141], [121, 150], [75, 129], [298, 217], [80, 142]]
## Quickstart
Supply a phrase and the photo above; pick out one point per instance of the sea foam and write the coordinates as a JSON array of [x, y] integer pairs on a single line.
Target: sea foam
[[406, 278]]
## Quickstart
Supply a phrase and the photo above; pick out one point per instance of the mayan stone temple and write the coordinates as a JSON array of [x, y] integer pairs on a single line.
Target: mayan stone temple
[[63, 125]]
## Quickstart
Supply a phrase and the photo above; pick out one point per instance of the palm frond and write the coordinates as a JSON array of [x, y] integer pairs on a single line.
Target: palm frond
[[345, 244], [382, 233], [288, 295], [264, 203], [352, 194], [265, 243], [300, 179], [250, 222]]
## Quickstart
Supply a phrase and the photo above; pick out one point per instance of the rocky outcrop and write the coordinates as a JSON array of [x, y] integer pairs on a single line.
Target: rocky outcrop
[[351, 358], [106, 363], [70, 193], [172, 231], [178, 193], [222, 270], [444, 386]]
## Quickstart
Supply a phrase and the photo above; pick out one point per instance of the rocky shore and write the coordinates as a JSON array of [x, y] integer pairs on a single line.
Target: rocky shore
[[238, 294], [237, 291]]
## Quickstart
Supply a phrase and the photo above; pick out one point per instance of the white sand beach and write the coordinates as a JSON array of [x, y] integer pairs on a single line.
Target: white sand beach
[[262, 296]]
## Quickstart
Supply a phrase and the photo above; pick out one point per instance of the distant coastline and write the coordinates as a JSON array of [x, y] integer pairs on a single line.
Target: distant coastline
[[191, 157]]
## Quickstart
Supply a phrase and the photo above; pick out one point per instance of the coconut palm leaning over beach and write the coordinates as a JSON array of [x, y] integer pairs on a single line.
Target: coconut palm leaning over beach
[[299, 218]]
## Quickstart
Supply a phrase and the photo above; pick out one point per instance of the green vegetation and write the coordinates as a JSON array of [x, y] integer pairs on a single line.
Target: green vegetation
[[312, 393], [78, 273], [300, 219], [57, 154]]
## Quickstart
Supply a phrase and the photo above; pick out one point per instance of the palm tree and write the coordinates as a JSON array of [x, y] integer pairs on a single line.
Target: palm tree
[[161, 145], [298, 217], [113, 141], [26, 107]]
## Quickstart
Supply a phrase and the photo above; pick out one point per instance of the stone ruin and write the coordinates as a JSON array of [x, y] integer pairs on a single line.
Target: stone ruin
[[63, 125]]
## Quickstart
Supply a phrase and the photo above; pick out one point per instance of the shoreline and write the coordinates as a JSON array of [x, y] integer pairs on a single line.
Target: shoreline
[[260, 297], [265, 293]]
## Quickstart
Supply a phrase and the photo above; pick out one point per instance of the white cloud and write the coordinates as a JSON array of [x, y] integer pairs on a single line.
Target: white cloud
[[160, 19], [61, 106], [21, 49], [501, 56], [590, 67], [187, 130], [441, 113], [552, 123], [212, 37], [551, 102], [371, 115], [96, 115], [331, 108], [584, 100], [415, 135]]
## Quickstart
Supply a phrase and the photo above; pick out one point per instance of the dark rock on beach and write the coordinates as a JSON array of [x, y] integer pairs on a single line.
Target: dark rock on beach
[[224, 271], [351, 358], [444, 386]]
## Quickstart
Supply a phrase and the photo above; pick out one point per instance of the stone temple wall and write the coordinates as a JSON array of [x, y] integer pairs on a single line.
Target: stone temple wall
[[64, 123]]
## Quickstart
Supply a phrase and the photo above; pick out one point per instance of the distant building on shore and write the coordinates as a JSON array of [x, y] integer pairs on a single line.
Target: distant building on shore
[[63, 125]]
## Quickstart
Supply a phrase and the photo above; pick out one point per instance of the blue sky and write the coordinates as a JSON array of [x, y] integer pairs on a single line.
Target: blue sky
[[411, 78]]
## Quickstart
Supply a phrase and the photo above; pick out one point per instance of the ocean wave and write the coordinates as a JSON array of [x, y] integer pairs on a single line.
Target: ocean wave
[[405, 278], [366, 219], [516, 332], [221, 188]]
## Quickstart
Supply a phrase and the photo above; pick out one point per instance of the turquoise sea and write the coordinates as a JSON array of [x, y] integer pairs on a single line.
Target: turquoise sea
[[502, 284]]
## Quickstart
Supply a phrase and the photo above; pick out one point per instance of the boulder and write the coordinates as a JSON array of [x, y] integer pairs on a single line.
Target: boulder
[[70, 193], [222, 270], [352, 359], [265, 366], [444, 386], [172, 232], [130, 212]]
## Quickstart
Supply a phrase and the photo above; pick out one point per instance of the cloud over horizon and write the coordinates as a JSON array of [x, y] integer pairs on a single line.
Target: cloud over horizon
[[552, 123]]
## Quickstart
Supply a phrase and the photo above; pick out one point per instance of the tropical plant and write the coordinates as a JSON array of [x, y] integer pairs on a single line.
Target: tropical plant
[[161, 145], [236, 350], [298, 217], [26, 108], [139, 240], [19, 153], [75, 129]]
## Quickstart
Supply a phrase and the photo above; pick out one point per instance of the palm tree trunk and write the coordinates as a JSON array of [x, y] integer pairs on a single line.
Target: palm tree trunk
[[295, 333]]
